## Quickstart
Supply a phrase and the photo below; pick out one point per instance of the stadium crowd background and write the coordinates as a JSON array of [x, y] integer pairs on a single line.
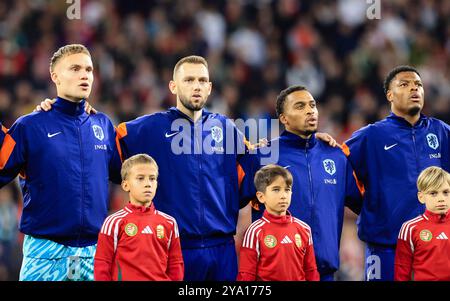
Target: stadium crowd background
[[255, 48]]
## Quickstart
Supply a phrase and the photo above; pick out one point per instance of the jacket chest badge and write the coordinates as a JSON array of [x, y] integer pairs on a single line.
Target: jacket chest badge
[[270, 241], [217, 134], [98, 132], [425, 235], [131, 229], [329, 166], [433, 141], [298, 240], [160, 231]]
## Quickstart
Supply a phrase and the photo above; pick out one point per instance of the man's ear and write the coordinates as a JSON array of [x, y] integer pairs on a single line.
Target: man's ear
[[283, 119], [54, 77], [210, 88], [173, 87], [389, 95]]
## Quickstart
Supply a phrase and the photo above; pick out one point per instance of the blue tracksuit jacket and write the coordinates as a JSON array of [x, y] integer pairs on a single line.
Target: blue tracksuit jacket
[[323, 185], [63, 157], [387, 157], [198, 173]]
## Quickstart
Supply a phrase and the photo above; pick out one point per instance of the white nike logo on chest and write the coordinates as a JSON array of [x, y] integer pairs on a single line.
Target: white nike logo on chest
[[53, 135], [171, 134], [390, 146]]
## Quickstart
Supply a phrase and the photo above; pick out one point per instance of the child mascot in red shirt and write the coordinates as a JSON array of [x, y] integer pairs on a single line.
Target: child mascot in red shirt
[[278, 246], [423, 247], [139, 242]]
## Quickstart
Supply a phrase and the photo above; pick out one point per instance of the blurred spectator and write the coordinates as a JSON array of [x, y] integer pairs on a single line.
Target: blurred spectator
[[248, 45]]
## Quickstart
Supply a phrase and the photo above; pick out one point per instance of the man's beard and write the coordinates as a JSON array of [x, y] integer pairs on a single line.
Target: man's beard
[[414, 111], [190, 106], [309, 132]]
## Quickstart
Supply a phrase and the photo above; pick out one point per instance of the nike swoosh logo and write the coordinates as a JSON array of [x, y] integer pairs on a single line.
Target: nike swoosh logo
[[171, 134], [390, 146], [287, 166], [52, 135]]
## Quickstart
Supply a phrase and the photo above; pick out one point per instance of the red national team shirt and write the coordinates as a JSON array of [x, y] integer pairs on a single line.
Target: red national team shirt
[[277, 248], [138, 243], [423, 249]]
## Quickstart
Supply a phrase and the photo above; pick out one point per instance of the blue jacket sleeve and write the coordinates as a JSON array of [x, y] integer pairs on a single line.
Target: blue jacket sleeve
[[12, 152], [246, 159], [115, 163], [126, 142], [121, 133], [446, 150], [356, 151], [247, 190], [353, 194]]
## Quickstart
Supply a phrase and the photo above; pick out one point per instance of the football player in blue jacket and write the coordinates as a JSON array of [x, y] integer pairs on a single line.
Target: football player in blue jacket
[[323, 177], [387, 157], [202, 161], [64, 157]]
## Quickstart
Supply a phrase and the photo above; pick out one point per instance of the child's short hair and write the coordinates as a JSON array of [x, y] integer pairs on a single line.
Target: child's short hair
[[67, 50], [432, 178], [134, 160], [267, 175]]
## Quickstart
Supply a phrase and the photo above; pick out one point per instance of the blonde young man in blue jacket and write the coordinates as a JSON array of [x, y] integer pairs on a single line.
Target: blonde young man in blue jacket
[[64, 158]]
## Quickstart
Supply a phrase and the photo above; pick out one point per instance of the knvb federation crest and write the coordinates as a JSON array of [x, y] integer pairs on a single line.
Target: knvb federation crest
[[217, 134], [432, 141], [98, 132], [425, 235], [270, 241], [131, 229], [329, 166]]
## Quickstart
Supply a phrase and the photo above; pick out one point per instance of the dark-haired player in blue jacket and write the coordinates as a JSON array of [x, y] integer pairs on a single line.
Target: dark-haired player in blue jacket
[[64, 158], [323, 177], [387, 157]]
